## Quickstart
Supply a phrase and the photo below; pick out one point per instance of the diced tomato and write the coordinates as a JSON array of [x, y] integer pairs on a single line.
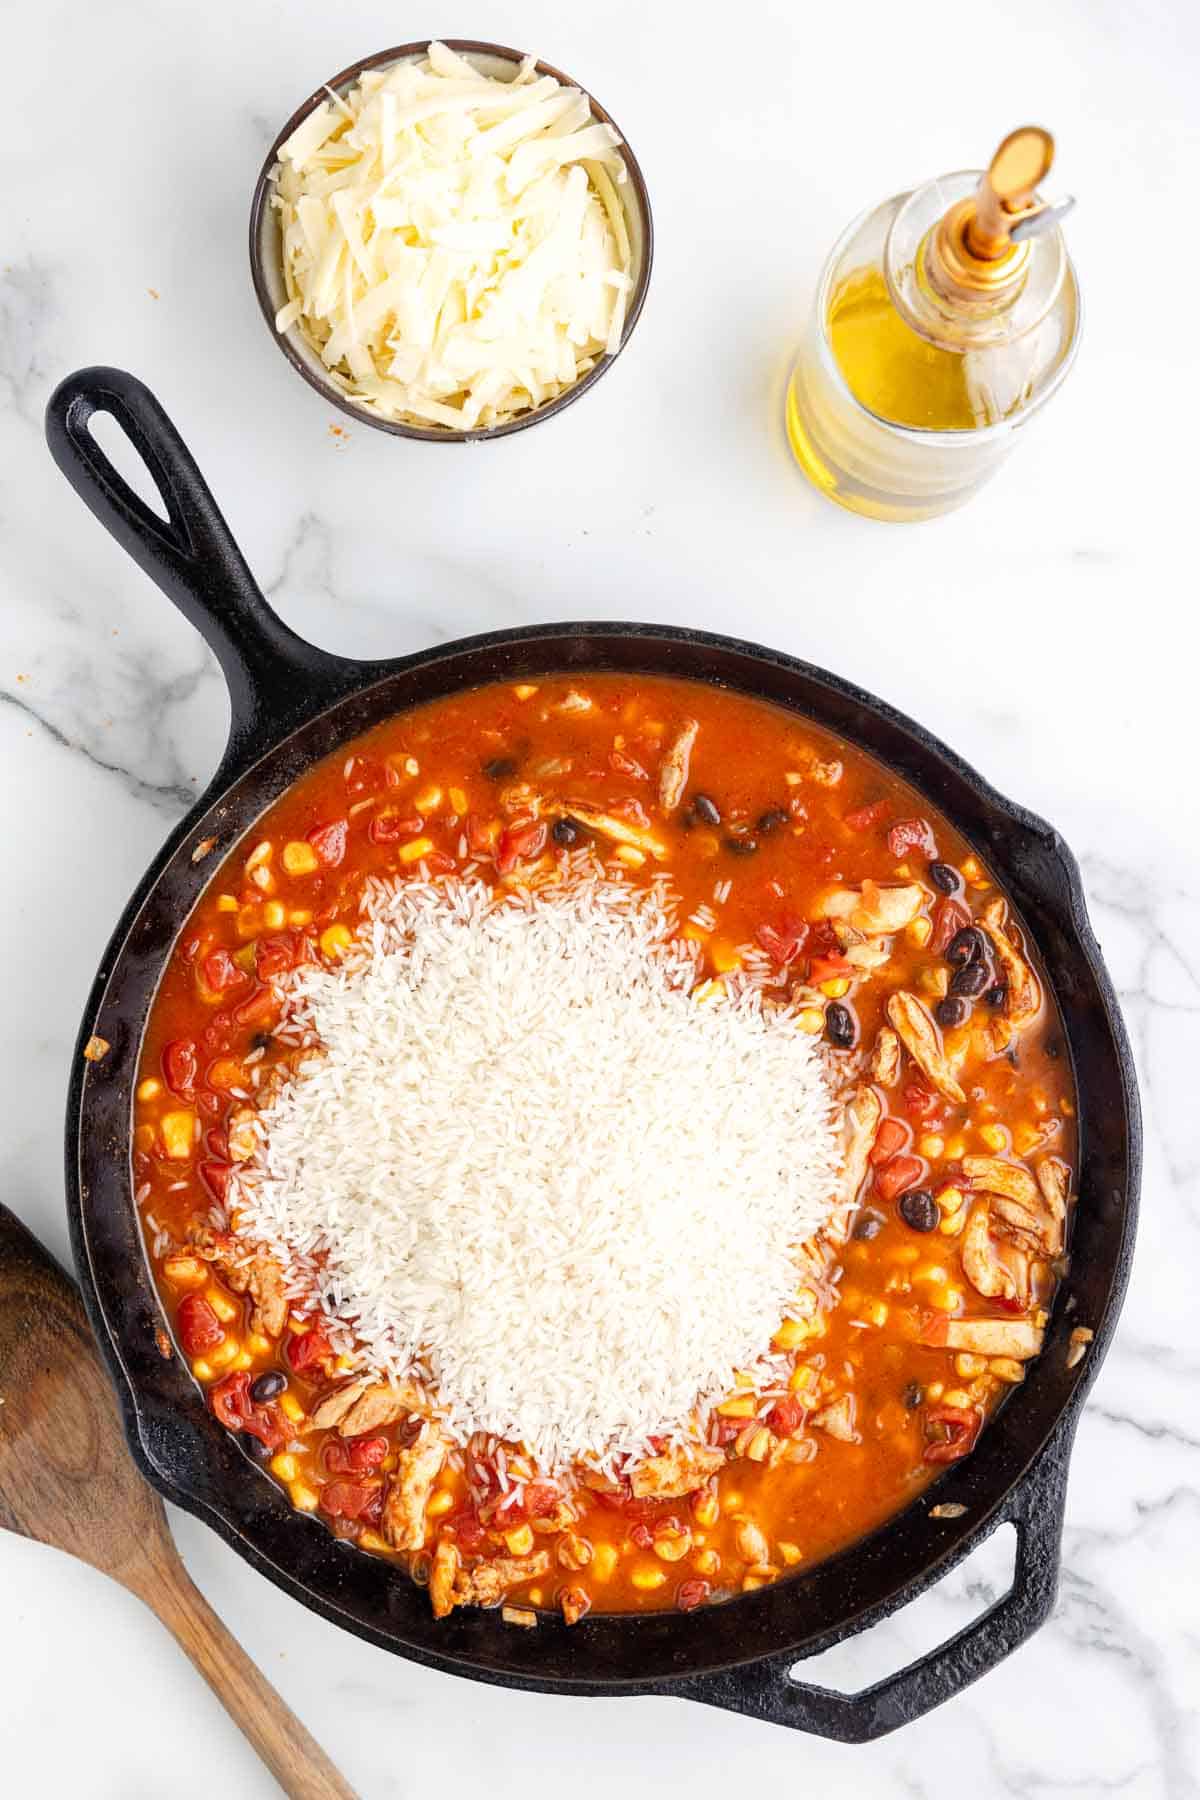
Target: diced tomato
[[949, 917], [258, 1009], [200, 1330], [387, 827], [962, 1425], [221, 972], [625, 765], [828, 968], [520, 843], [866, 816], [352, 1500], [466, 1529], [728, 1429], [541, 1497], [355, 1456], [231, 1402], [786, 1415], [898, 1175], [307, 1350], [918, 1101], [640, 1535], [691, 1594], [180, 1065], [911, 834], [215, 1176], [438, 863], [891, 1137], [277, 954], [329, 842], [783, 943]]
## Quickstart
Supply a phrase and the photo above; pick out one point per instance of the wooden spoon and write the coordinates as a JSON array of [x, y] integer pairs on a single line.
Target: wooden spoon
[[67, 1479]]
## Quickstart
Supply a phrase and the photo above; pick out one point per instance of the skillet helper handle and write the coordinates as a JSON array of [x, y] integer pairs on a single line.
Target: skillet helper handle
[[767, 1690], [296, 1760], [191, 554]]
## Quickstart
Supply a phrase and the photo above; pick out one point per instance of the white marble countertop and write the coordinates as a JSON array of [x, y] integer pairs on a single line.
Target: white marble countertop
[[134, 133]]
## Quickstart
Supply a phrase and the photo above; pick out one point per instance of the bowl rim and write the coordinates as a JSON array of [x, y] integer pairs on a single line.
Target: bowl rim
[[329, 391]]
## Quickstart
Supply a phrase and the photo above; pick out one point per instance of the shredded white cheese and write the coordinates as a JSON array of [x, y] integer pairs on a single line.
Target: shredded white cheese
[[530, 1166], [453, 245]]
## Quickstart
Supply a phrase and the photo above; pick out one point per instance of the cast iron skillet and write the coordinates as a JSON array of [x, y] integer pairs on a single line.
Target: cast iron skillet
[[292, 703]]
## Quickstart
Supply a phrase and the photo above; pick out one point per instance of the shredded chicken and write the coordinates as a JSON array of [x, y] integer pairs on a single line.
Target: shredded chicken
[[997, 1271], [607, 826], [837, 1420], [1054, 1180], [1018, 1338], [919, 1035], [259, 1276], [1024, 994], [379, 1405], [675, 1472], [488, 1582], [874, 910], [674, 772], [1033, 1212], [995, 1176], [442, 1576], [864, 1109], [409, 1490], [884, 1066]]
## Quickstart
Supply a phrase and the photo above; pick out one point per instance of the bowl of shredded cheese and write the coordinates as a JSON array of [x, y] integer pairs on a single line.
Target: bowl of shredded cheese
[[451, 241]]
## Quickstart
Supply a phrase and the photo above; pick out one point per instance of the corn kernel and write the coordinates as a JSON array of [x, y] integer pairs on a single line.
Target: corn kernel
[[793, 777], [957, 1397], [179, 1134], [947, 1299], [525, 690], [630, 855], [185, 1271], [604, 1561], [1007, 1368], [415, 850], [203, 1371], [223, 1355], [741, 1406], [919, 933], [994, 1136], [274, 915], [284, 1466], [1027, 1138], [299, 858], [811, 1019], [443, 1502], [249, 921], [672, 1546], [225, 1308], [752, 1581], [258, 1345], [931, 1146], [428, 800], [371, 1540], [791, 1334], [243, 1360], [304, 1498], [956, 1148], [696, 934], [834, 990], [875, 1312], [519, 1540], [647, 1576], [954, 1222], [335, 941], [708, 990], [724, 956], [227, 903], [934, 981], [972, 871], [707, 1510], [150, 1089], [801, 1379], [791, 1553], [706, 1562], [458, 800], [935, 1390], [298, 916], [968, 1366]]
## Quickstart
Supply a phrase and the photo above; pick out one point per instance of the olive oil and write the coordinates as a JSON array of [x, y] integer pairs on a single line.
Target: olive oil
[[945, 318]]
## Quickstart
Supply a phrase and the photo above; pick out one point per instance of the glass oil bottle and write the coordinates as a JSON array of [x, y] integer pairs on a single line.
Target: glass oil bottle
[[945, 318]]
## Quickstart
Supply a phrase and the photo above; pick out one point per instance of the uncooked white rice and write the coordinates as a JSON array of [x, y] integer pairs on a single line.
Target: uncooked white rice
[[526, 1164]]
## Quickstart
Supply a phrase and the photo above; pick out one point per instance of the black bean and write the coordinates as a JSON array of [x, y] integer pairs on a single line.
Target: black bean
[[913, 1395], [706, 809], [965, 946], [500, 768], [261, 1040], [971, 980], [267, 1387], [919, 1209], [996, 997], [944, 878], [741, 846], [868, 1225], [841, 1027], [251, 1445], [953, 1010], [772, 819], [566, 832]]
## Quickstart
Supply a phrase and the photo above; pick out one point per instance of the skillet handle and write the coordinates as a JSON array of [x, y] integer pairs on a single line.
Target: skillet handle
[[767, 1690], [192, 556]]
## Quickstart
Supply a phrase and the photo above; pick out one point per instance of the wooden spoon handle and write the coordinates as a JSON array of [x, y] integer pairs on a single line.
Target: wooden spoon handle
[[294, 1757]]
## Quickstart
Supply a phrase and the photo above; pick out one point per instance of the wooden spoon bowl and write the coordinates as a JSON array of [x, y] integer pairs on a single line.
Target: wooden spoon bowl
[[67, 1479]]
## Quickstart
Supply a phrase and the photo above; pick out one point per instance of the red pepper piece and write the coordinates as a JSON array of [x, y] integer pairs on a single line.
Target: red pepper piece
[[962, 1424], [520, 843], [891, 1137], [222, 973], [352, 1500], [278, 954], [783, 943], [829, 968], [911, 834], [257, 1009], [307, 1350], [387, 827], [466, 1530], [949, 917], [329, 842], [897, 1176], [786, 1416], [231, 1402], [691, 1594], [215, 1176], [200, 1330], [918, 1101]]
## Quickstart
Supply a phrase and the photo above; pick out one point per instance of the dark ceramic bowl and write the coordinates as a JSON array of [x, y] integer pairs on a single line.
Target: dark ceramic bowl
[[266, 260]]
